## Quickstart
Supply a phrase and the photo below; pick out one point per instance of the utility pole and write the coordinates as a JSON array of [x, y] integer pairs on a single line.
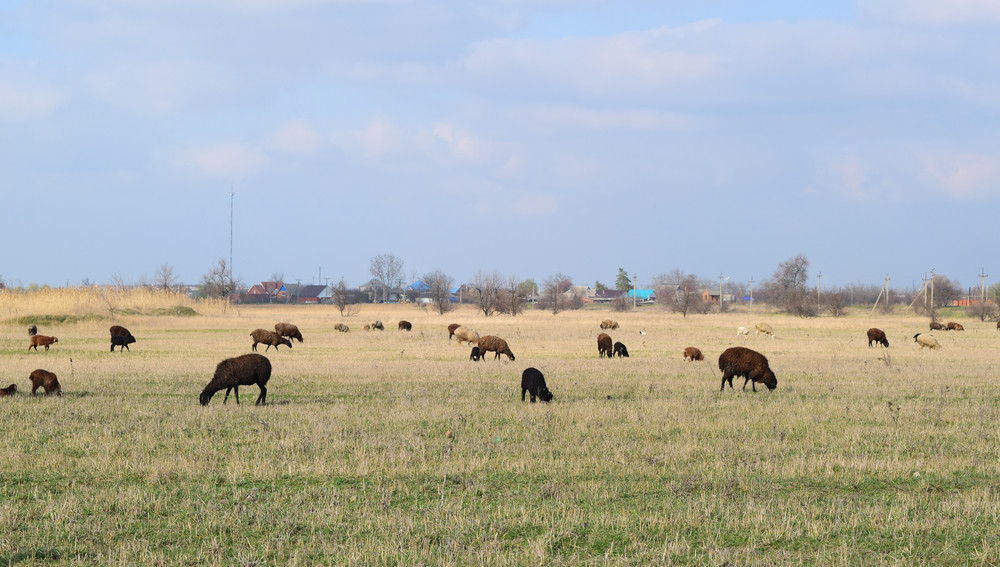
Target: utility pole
[[819, 287], [635, 293], [231, 193], [932, 294], [982, 288], [885, 287], [751, 291], [720, 291]]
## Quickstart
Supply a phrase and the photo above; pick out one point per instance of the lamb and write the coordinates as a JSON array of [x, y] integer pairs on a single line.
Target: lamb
[[41, 340], [33, 330], [953, 326], [405, 326], [46, 380], [608, 324], [620, 350], [495, 344], [935, 326], [342, 328], [764, 328], [366, 328], [8, 391], [877, 336], [926, 340], [270, 338], [453, 326], [467, 334], [120, 336], [742, 331], [750, 364], [474, 355], [691, 354], [376, 324], [533, 382], [288, 330], [243, 370], [604, 345]]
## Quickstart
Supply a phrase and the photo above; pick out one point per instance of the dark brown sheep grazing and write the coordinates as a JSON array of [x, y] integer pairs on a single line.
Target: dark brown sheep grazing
[[691, 354], [45, 380], [243, 370], [41, 340], [533, 382], [620, 350], [120, 336], [935, 326], [405, 326], [953, 326], [33, 330], [604, 345], [877, 336], [453, 326], [288, 330], [8, 391], [342, 328], [608, 324], [495, 344], [270, 338], [750, 364]]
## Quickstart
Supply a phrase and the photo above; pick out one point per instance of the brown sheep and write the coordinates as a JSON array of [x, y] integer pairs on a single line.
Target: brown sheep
[[288, 330], [41, 340], [877, 336], [342, 328], [935, 326], [998, 325], [243, 370], [764, 328], [33, 330], [46, 380], [953, 326], [120, 336], [604, 345], [376, 325], [467, 334], [691, 354], [404, 326], [608, 324], [453, 326], [495, 344], [366, 328], [750, 364], [270, 338], [8, 391]]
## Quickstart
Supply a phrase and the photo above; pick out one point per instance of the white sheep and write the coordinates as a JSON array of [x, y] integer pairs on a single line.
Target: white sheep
[[764, 328], [742, 331], [926, 340]]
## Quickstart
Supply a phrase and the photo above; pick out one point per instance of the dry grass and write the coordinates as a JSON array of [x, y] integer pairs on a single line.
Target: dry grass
[[861, 456]]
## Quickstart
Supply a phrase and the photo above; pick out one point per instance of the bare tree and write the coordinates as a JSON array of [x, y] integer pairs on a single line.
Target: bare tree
[[388, 269], [165, 277], [487, 287], [787, 287], [621, 303], [836, 302], [554, 293], [218, 282], [680, 292], [439, 287], [344, 299], [513, 296], [277, 276]]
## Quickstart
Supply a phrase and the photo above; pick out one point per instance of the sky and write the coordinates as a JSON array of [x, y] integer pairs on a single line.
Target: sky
[[524, 137]]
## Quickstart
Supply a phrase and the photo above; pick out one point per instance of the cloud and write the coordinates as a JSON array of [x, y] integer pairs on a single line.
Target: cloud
[[535, 204], [19, 103], [297, 137], [230, 160], [935, 12], [963, 175], [575, 116], [462, 145]]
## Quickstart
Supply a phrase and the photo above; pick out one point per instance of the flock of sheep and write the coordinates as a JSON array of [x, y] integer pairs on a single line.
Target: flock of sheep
[[255, 369]]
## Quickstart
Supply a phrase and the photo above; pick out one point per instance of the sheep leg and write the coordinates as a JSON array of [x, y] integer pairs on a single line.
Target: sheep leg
[[523, 391], [253, 347], [726, 376], [263, 395]]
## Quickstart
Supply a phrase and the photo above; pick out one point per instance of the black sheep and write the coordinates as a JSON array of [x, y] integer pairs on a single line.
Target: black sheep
[[474, 355], [242, 370], [122, 341], [752, 365], [620, 350], [533, 382]]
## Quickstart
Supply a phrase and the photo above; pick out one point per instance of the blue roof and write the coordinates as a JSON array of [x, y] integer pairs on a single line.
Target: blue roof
[[642, 294], [419, 286]]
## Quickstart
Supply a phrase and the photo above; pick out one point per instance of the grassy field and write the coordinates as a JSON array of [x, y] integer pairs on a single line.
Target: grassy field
[[860, 457]]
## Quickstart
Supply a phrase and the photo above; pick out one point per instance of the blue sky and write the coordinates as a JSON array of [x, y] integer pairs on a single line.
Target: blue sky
[[524, 137]]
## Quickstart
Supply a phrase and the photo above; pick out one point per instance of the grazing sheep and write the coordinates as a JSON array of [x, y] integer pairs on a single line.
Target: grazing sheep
[[998, 325], [764, 328], [405, 326], [41, 340], [533, 382], [750, 364], [33, 330], [270, 338], [366, 328], [342, 328], [620, 350], [474, 355], [953, 326], [608, 324], [926, 340], [288, 330], [376, 324], [742, 331], [877, 336], [691, 354], [243, 370], [122, 341], [935, 326], [604, 345], [451, 330], [495, 344], [45, 380], [8, 391], [467, 334]]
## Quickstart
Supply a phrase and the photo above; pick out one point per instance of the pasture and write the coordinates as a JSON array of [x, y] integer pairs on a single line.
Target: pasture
[[860, 456]]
